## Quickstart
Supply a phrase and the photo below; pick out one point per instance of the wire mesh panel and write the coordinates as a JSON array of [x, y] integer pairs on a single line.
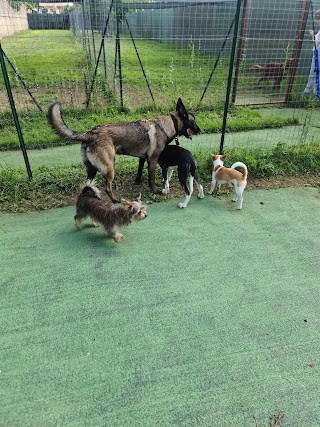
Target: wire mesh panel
[[150, 53], [44, 65], [275, 52], [100, 54], [130, 53], [152, 50]]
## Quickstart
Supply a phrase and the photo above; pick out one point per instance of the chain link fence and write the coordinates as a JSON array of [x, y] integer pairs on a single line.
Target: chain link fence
[[100, 55]]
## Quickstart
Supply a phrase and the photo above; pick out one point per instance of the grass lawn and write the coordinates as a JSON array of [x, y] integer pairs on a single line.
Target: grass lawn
[[44, 57], [53, 64]]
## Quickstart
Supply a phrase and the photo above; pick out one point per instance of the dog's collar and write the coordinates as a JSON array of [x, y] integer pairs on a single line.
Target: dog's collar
[[175, 124], [216, 168]]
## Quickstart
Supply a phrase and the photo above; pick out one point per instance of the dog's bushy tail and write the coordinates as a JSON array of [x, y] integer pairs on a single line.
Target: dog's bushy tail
[[241, 165], [260, 67], [89, 189], [59, 126]]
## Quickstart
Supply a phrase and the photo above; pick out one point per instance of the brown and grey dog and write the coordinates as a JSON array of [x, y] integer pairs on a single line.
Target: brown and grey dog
[[275, 71], [144, 139], [110, 216]]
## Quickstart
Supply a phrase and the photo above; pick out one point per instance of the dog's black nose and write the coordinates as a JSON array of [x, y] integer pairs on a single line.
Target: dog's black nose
[[196, 129]]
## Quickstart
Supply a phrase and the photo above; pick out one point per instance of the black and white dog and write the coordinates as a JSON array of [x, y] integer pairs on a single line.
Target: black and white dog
[[172, 156]]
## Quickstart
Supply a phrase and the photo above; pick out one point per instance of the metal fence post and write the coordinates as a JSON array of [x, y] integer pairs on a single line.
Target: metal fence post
[[240, 50], [14, 113], [297, 46], [231, 65]]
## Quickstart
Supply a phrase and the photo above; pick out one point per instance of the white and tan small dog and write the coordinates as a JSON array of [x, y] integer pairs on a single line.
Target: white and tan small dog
[[222, 175]]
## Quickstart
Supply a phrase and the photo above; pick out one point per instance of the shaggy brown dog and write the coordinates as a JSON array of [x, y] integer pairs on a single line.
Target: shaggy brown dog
[[110, 216]]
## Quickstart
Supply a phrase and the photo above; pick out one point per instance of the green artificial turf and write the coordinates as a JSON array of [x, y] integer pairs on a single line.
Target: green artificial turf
[[201, 317]]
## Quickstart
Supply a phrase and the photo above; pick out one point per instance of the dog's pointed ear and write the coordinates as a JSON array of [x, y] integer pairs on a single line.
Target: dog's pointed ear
[[223, 158], [214, 156], [181, 109], [126, 204]]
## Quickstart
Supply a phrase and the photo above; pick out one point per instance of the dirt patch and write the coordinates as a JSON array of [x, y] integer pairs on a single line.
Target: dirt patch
[[126, 188], [68, 94], [285, 181], [73, 95]]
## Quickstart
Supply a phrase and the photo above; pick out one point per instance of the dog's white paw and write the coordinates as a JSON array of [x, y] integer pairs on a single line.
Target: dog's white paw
[[165, 191], [201, 195], [182, 205], [78, 225], [117, 237]]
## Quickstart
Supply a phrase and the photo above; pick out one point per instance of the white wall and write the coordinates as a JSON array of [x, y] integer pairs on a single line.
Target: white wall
[[11, 21]]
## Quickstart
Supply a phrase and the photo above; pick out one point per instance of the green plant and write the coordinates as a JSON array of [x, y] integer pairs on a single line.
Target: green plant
[[58, 186], [192, 54]]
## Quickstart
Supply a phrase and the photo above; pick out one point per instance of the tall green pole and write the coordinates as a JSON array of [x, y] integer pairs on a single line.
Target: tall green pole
[[118, 52], [231, 65], [14, 113]]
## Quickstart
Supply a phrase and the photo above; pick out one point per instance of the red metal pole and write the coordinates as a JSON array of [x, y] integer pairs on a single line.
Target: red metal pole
[[297, 46]]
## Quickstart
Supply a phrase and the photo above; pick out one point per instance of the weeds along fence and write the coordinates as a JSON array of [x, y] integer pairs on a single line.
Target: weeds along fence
[[138, 58]]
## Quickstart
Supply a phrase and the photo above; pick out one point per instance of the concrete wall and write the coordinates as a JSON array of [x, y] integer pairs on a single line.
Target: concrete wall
[[12, 21]]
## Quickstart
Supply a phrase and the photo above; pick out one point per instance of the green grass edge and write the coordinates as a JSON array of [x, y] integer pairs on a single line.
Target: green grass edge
[[57, 186]]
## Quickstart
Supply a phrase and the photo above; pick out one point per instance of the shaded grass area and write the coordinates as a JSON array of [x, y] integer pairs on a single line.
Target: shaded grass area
[[57, 186]]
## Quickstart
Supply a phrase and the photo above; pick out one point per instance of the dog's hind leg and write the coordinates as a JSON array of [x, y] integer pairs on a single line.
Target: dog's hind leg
[[166, 174], [262, 79], [277, 83], [140, 170], [199, 186], [77, 220], [109, 176], [152, 164], [213, 183], [235, 197], [103, 160], [170, 170], [188, 194], [91, 170], [239, 198], [182, 175], [114, 233]]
